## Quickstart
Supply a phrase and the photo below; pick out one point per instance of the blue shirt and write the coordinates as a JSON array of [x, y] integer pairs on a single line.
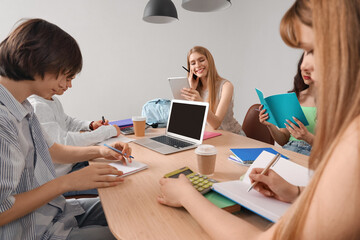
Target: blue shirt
[[25, 164]]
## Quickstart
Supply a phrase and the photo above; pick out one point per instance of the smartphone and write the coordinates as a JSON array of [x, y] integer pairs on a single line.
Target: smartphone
[[194, 76]]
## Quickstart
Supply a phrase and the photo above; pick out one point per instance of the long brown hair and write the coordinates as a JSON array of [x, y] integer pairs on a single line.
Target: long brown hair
[[336, 26], [213, 78]]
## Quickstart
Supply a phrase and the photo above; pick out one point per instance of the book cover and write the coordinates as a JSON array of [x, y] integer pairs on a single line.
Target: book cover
[[122, 123], [267, 207], [282, 107], [250, 154], [208, 135]]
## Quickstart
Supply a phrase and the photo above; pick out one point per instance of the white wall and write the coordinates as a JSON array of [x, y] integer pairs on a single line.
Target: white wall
[[127, 61]]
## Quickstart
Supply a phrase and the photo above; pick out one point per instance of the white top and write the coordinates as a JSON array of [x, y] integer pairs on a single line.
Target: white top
[[229, 122], [64, 129]]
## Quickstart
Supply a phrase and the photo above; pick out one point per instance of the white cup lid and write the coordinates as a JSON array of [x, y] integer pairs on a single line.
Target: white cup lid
[[139, 118], [205, 149]]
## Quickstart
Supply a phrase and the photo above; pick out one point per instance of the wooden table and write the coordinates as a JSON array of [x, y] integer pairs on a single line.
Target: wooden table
[[132, 210]]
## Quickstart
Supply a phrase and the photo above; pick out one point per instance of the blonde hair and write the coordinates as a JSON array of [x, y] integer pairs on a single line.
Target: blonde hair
[[336, 26], [213, 77]]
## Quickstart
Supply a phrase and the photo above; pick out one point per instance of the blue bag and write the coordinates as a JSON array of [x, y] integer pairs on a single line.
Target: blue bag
[[156, 111]]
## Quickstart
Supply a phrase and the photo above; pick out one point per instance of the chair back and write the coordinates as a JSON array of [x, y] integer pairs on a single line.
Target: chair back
[[253, 128]]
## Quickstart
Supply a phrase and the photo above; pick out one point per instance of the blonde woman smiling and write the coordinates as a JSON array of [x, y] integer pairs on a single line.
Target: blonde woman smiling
[[209, 86]]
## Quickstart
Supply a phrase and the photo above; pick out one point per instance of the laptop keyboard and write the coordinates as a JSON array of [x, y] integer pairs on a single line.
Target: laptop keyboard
[[171, 141]]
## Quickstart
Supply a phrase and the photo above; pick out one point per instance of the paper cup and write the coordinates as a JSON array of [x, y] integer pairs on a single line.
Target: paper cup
[[139, 125]]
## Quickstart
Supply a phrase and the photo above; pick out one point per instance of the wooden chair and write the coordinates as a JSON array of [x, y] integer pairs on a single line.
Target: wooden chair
[[253, 128]]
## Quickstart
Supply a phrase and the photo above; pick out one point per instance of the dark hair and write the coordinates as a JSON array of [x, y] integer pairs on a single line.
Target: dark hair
[[37, 47], [299, 84]]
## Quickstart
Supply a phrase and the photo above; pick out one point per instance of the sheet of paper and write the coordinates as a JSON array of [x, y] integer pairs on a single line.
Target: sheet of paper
[[290, 171]]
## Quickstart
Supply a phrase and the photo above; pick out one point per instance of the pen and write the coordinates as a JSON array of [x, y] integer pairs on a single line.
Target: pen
[[186, 69], [117, 150], [103, 119], [194, 76], [271, 163]]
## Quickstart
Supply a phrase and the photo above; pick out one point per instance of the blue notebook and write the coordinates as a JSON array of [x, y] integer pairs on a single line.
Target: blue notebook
[[282, 107], [122, 123], [250, 154]]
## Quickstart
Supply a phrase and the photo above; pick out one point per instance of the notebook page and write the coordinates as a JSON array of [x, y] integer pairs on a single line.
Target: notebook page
[[290, 171], [130, 168]]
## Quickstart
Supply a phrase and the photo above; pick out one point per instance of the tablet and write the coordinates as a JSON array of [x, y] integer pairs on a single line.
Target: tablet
[[176, 84]]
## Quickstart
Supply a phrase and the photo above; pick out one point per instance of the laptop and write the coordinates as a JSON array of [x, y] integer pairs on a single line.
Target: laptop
[[185, 128]]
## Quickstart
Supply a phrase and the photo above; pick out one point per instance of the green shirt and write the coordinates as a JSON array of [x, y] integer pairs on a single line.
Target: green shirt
[[310, 114]]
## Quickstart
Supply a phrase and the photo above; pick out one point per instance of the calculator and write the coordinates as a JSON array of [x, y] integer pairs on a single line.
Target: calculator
[[127, 130], [201, 182]]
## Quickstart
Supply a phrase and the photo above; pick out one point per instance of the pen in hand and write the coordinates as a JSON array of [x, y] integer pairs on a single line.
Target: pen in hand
[[118, 151], [194, 76], [266, 169], [103, 119]]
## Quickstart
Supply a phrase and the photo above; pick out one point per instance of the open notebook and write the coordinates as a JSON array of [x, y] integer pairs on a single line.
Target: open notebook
[[266, 207], [130, 168]]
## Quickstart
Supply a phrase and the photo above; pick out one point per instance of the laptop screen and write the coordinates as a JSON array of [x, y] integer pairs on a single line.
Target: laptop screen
[[187, 119]]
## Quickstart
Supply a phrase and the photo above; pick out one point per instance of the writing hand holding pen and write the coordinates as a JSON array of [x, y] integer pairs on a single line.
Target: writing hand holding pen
[[125, 153], [99, 123]]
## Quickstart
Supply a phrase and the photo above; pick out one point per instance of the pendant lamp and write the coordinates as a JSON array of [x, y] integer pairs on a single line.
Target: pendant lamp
[[205, 5], [160, 11]]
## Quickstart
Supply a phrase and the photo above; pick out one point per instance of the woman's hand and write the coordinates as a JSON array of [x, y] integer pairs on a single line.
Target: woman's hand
[[273, 185], [193, 82], [110, 154], [263, 116], [93, 176], [173, 189], [191, 94], [300, 132]]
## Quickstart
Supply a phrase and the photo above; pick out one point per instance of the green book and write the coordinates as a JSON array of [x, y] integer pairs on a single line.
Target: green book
[[222, 202]]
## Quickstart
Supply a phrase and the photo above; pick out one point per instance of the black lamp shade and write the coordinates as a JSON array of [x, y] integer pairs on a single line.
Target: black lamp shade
[[160, 11], [205, 5]]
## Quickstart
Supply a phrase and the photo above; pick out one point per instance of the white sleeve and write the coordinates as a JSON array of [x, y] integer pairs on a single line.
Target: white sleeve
[[72, 124], [48, 120]]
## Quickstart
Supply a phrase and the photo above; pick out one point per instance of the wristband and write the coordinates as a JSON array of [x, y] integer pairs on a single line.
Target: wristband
[[91, 126]]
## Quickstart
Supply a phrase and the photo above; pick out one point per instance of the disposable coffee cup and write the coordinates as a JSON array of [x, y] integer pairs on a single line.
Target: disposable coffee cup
[[139, 123], [206, 158]]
